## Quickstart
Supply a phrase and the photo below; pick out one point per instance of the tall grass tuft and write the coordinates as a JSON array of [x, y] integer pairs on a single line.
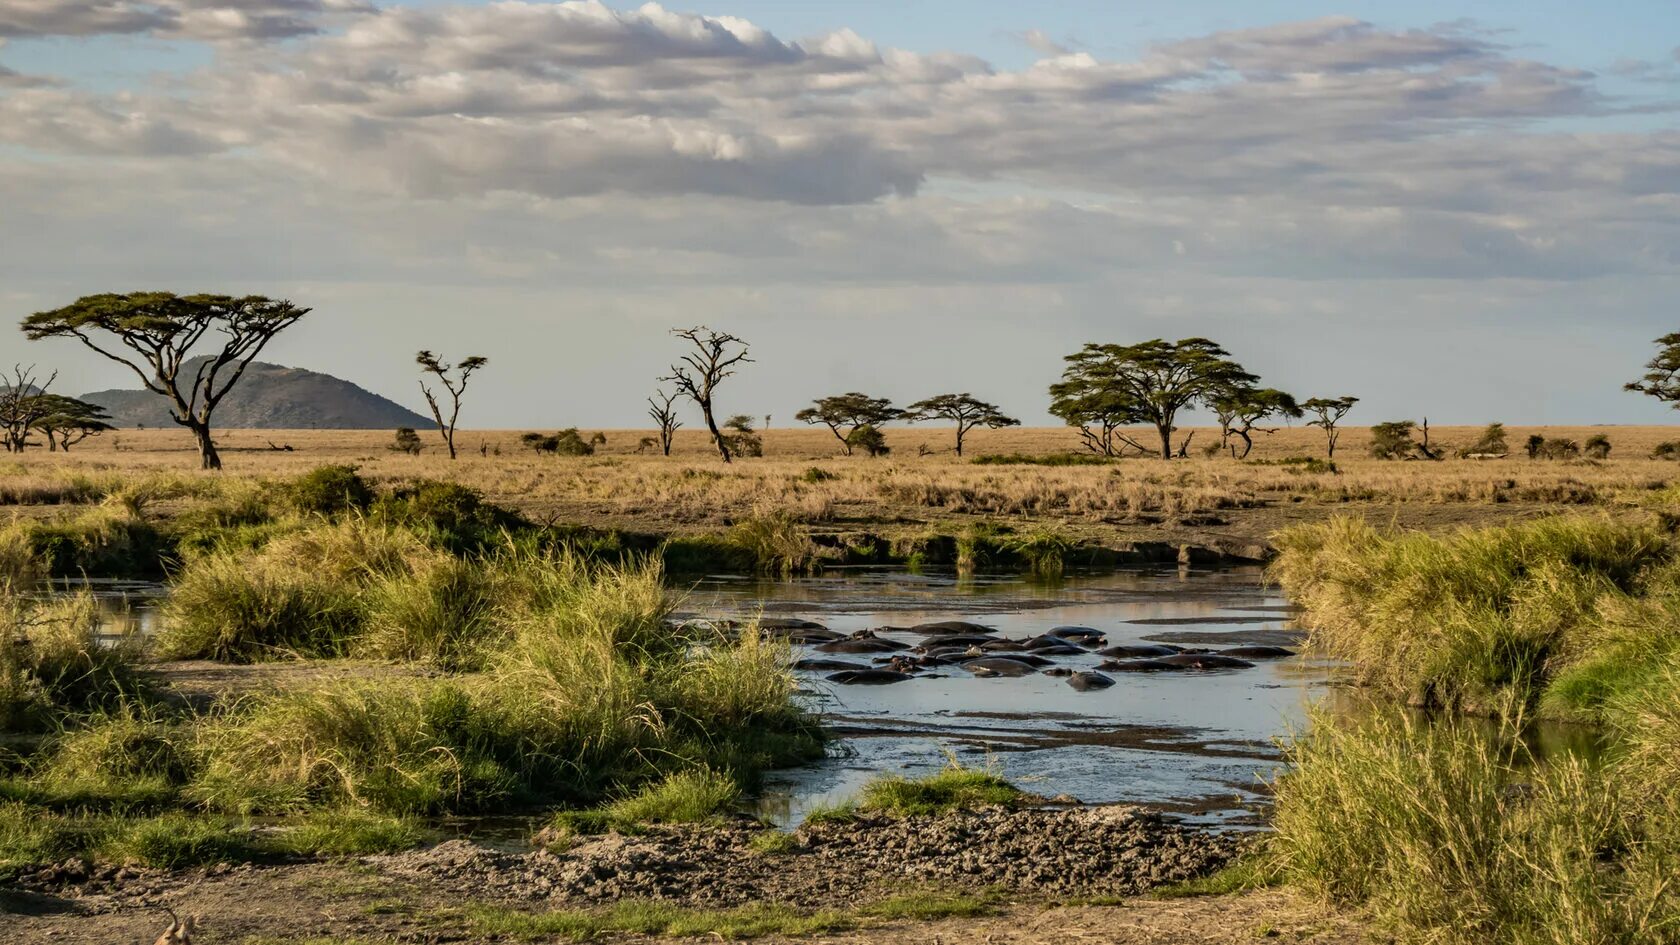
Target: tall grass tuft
[[229, 607], [448, 614], [1479, 619], [778, 542], [1452, 832], [52, 662]]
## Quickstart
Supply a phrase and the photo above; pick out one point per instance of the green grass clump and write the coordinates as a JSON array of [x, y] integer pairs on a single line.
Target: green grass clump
[[177, 841], [1479, 619], [30, 835], [447, 614], [229, 607], [1045, 549], [954, 788], [929, 906], [1452, 832], [329, 490], [777, 542], [52, 662], [658, 919], [683, 797], [349, 832], [21, 567], [131, 756]]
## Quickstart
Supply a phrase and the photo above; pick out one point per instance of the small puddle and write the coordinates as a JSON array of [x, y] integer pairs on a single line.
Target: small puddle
[[1200, 744]]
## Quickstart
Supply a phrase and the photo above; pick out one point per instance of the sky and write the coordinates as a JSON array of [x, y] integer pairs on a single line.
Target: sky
[[1466, 211]]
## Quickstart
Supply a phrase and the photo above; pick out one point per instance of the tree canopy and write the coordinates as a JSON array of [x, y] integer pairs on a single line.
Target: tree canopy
[[1109, 386], [963, 410], [847, 414], [67, 421], [1242, 409], [1662, 373], [161, 331]]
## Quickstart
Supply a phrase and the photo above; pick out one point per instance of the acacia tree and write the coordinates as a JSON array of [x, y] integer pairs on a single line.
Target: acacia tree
[[69, 421], [1662, 373], [163, 330], [698, 373], [454, 386], [664, 413], [1085, 398], [963, 410], [1327, 412], [1241, 409], [846, 414], [1156, 379], [22, 404]]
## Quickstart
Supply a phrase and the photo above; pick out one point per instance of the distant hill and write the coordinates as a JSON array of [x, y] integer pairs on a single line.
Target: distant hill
[[270, 396]]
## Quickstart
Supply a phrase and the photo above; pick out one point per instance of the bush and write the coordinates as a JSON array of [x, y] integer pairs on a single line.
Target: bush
[[1666, 450], [569, 443], [1491, 443], [446, 613], [1393, 440], [777, 543], [407, 441], [330, 490], [869, 439], [1597, 447]]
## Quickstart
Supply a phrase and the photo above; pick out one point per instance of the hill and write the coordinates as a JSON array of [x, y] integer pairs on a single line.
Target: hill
[[271, 396]]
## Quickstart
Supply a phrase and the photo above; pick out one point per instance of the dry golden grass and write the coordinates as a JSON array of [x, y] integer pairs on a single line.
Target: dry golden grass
[[692, 491]]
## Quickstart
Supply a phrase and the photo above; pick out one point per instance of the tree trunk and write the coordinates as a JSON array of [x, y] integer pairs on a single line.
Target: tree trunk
[[1248, 443], [1330, 451], [1166, 440], [717, 435], [207, 455], [959, 439]]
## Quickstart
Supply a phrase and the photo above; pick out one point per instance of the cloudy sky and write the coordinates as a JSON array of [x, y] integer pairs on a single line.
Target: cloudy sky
[[1469, 211]]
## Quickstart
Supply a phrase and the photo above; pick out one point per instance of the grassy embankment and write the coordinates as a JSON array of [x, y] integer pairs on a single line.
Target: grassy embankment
[[1453, 829], [524, 674]]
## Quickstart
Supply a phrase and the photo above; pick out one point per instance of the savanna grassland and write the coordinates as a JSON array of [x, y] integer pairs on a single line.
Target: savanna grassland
[[1215, 501], [364, 649]]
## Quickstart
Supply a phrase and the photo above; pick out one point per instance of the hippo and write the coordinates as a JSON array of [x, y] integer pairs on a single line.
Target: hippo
[[1059, 649], [900, 664], [1205, 661], [826, 665], [868, 677], [956, 639], [1136, 666], [1030, 659], [998, 666], [1004, 646], [951, 626], [785, 624], [863, 641], [1084, 636], [1088, 682], [1058, 671], [1139, 651], [1258, 652], [808, 637]]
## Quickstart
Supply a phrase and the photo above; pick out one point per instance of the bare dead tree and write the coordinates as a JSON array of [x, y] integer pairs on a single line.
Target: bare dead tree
[[698, 373], [662, 408], [22, 405], [456, 386]]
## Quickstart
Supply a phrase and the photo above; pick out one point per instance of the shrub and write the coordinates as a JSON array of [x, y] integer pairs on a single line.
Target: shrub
[[1597, 447], [1560, 448], [330, 490], [816, 474], [777, 543], [1393, 440], [447, 514], [540, 443], [870, 439], [568, 442], [407, 441], [1492, 442], [1533, 445]]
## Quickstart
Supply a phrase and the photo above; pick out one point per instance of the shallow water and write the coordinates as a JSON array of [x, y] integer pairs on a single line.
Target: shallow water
[[1199, 742]]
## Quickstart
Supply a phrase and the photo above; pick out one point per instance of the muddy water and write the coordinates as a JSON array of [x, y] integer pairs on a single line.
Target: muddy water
[[1199, 743]]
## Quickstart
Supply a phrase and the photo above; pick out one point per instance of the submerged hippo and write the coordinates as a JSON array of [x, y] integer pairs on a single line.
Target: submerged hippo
[[1137, 666], [1087, 682], [998, 666], [1058, 649], [1084, 636], [826, 665], [863, 641], [1206, 661], [808, 637], [787, 624], [1139, 651], [868, 677], [1004, 646], [951, 626], [1258, 652], [955, 639], [1058, 671], [1028, 658]]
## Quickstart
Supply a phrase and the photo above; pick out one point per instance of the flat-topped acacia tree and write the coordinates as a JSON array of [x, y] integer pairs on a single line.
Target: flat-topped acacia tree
[[846, 414], [1146, 383], [163, 331], [962, 410]]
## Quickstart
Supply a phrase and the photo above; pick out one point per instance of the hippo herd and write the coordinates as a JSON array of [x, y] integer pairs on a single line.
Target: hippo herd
[[977, 649]]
